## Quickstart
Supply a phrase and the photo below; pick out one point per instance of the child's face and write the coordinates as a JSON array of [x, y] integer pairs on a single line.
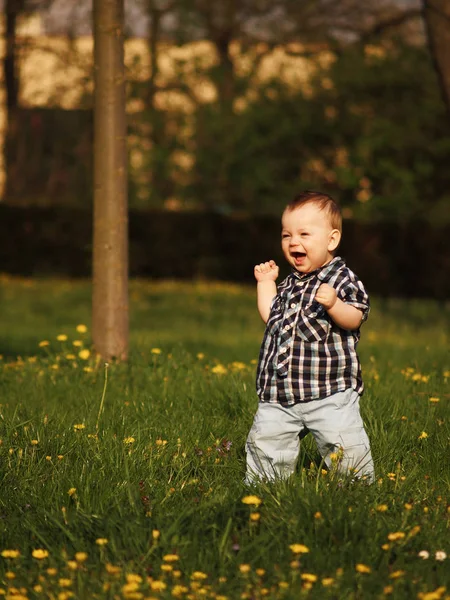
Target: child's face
[[307, 237]]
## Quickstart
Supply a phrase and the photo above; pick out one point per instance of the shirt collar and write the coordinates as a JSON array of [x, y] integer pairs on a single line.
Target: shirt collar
[[324, 272]]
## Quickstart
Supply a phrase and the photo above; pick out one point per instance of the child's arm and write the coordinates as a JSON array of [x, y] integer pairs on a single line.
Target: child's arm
[[266, 289], [344, 315]]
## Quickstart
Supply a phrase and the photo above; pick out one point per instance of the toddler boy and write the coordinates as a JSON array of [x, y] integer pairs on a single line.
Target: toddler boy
[[309, 375]]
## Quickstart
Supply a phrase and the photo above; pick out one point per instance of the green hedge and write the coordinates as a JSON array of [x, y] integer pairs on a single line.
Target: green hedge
[[405, 260]]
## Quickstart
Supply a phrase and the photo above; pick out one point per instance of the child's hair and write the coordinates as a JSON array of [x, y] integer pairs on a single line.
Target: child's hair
[[323, 202]]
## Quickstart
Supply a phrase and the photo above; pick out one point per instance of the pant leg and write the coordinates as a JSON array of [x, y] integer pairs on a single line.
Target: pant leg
[[341, 438], [273, 442]]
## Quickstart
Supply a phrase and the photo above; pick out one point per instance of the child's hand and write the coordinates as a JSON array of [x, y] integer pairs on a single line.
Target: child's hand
[[326, 296], [267, 271]]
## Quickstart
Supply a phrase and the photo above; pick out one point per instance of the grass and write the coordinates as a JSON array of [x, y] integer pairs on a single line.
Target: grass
[[148, 457]]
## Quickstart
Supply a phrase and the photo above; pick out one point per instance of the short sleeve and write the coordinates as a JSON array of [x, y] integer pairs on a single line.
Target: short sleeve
[[353, 292]]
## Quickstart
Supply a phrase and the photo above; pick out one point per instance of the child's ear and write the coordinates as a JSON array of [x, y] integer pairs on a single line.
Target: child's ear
[[334, 239]]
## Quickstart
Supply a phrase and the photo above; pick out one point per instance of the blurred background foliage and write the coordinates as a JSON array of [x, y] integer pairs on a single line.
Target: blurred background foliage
[[364, 120]]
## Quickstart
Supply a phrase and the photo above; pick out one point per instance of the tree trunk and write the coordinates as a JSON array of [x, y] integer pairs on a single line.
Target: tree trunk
[[437, 19], [110, 243], [12, 9]]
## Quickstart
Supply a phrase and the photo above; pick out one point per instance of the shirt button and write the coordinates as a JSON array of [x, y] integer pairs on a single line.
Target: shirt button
[[293, 305], [287, 327]]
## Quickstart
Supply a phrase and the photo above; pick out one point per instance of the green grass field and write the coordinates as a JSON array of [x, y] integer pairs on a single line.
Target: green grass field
[[126, 481]]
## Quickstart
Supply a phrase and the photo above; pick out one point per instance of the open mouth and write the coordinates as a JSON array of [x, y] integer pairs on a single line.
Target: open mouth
[[298, 257]]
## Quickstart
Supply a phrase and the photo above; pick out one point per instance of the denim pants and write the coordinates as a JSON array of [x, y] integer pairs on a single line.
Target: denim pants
[[273, 443]]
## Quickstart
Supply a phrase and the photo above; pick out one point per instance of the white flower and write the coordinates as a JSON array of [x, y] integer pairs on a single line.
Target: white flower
[[440, 555], [424, 554]]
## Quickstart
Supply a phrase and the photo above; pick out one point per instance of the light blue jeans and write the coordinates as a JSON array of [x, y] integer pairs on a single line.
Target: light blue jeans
[[273, 443]]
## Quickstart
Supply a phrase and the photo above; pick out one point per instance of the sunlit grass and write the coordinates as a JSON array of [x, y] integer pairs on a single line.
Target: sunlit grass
[[125, 481]]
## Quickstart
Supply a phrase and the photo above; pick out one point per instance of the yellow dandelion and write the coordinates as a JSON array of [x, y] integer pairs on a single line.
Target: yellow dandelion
[[156, 351], [133, 578], [158, 586], [70, 356], [112, 569], [65, 595], [299, 549], [77, 343], [72, 491], [396, 574], [129, 440], [171, 557], [10, 575], [244, 569], [198, 575], [44, 343], [166, 568], [395, 536], [260, 572], [34, 442], [309, 577], [84, 354], [62, 337], [81, 328], [8, 553], [39, 553], [79, 426], [101, 541], [64, 582], [388, 589], [252, 500], [155, 534], [361, 568], [433, 399], [52, 571], [72, 565], [382, 508], [327, 581], [385, 546], [81, 557], [255, 516], [408, 506], [318, 515], [423, 435], [219, 370], [200, 356]]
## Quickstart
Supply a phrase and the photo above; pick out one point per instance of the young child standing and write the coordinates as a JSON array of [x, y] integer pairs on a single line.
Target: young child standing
[[309, 375]]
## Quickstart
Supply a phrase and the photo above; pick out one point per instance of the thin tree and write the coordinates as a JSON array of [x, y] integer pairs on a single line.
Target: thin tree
[[110, 242], [437, 19]]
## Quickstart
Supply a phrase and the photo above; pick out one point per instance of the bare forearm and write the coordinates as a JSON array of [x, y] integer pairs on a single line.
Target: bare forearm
[[266, 292], [345, 315]]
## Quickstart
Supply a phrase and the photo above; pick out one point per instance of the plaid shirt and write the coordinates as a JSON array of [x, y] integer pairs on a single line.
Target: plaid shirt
[[304, 354]]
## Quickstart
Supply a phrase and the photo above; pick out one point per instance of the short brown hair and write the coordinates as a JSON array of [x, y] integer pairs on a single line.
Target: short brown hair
[[323, 202]]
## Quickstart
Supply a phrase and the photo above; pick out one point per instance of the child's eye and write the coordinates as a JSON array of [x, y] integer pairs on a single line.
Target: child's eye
[[284, 235]]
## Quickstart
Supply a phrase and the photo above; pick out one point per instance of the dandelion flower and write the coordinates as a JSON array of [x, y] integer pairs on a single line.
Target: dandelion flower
[[252, 500], [255, 516], [81, 557], [84, 354], [101, 541], [129, 440], [155, 534], [10, 553], [424, 554], [423, 435], [310, 577], [81, 328], [327, 581], [219, 370], [79, 426], [134, 578], [77, 343], [382, 508], [433, 399], [299, 549], [395, 536], [361, 568], [440, 555], [39, 553], [198, 575], [156, 351], [244, 568], [64, 582], [72, 491], [62, 337], [396, 574], [158, 586], [112, 569], [171, 557], [44, 343]]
